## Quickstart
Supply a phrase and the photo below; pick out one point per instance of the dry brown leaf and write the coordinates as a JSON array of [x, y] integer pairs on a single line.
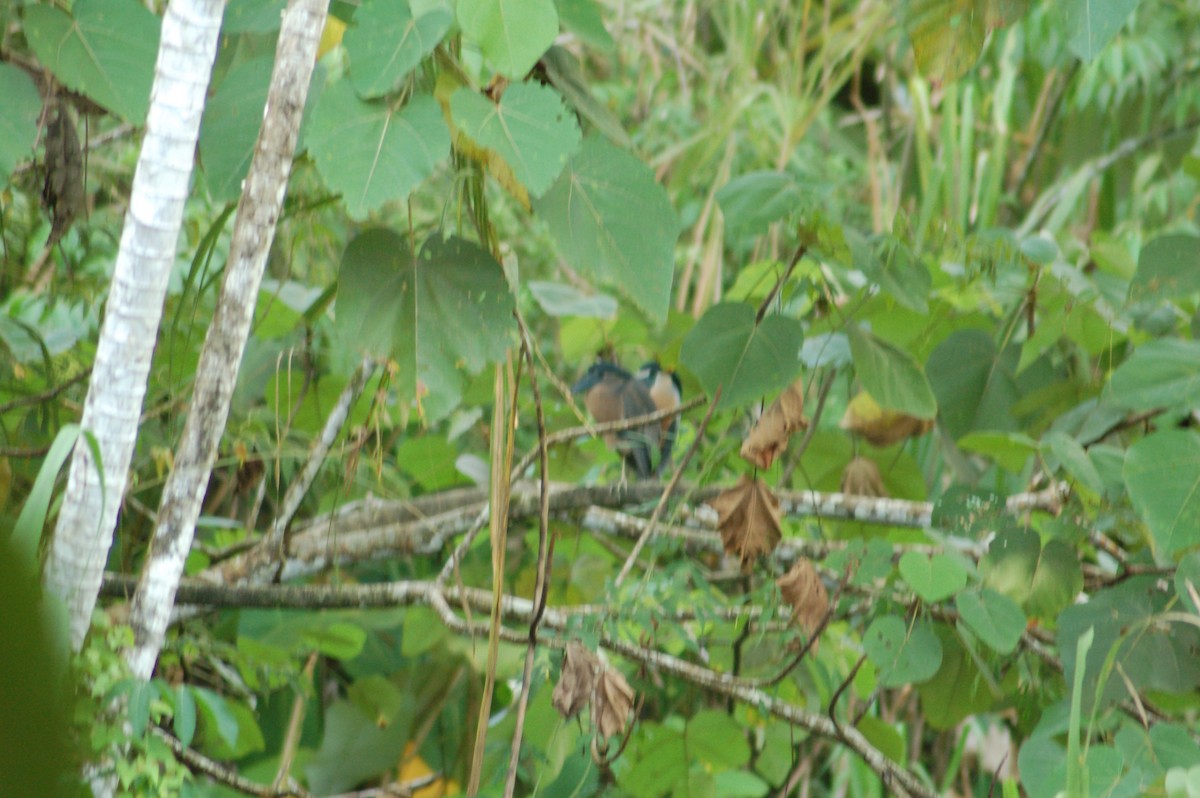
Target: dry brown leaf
[[862, 478], [614, 699], [748, 518], [803, 589], [63, 191], [772, 430], [577, 682], [878, 426]]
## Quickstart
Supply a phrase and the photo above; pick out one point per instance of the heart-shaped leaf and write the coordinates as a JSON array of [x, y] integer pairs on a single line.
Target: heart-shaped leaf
[[727, 351], [386, 42], [933, 579], [902, 656], [891, 375], [994, 617]]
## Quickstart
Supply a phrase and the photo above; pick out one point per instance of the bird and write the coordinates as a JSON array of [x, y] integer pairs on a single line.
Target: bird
[[667, 393], [611, 393]]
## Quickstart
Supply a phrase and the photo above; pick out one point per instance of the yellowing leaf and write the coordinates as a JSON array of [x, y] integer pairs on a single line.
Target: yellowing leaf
[[880, 427], [772, 430], [331, 35], [862, 478]]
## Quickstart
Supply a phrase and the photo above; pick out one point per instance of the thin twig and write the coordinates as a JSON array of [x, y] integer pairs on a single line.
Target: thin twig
[[770, 297], [46, 395], [199, 763]]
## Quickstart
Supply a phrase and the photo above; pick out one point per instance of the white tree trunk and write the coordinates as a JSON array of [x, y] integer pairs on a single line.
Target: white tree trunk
[[217, 371], [95, 491]]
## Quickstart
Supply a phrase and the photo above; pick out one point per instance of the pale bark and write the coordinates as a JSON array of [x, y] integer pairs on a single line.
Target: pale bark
[[216, 374], [95, 491]]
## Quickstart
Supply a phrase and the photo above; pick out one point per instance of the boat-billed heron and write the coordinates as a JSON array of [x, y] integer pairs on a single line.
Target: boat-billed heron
[[611, 393], [667, 393]]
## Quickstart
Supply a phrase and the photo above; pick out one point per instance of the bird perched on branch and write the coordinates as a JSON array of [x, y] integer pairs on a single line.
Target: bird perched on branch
[[667, 393], [611, 393]]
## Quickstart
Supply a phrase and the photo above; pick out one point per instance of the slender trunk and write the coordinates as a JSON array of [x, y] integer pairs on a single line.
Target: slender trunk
[[79, 548], [216, 374]]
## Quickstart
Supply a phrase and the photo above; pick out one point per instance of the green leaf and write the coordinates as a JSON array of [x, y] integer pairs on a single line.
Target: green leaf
[[994, 617], [975, 385], [1132, 649], [751, 202], [529, 128], [933, 579], [898, 272], [252, 16], [1074, 459], [1162, 472], [739, 784], [1043, 765], [716, 739], [138, 712], [232, 118], [22, 105], [725, 350], [430, 461], [883, 736], [1011, 561], [28, 530], [663, 763], [611, 219], [902, 657], [224, 719], [385, 43], [1161, 373], [185, 714], [892, 376], [947, 36], [1057, 580], [512, 34], [1091, 24], [446, 307], [1168, 268], [564, 73], [582, 17], [106, 50], [1187, 581], [337, 640], [558, 299], [958, 690], [1009, 450], [354, 748], [373, 153]]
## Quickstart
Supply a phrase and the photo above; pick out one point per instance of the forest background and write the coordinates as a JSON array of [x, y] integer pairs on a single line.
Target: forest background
[[296, 497]]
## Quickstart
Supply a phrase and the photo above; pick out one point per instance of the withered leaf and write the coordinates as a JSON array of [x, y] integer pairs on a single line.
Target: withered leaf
[[878, 426], [748, 518], [63, 191], [773, 428], [862, 478], [577, 682], [803, 589], [614, 699]]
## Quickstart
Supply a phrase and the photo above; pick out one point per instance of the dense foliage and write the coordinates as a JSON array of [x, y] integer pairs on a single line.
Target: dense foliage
[[934, 268]]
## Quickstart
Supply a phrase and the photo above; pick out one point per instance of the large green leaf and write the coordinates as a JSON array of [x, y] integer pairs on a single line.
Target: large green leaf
[[611, 220], [975, 385], [896, 270], [994, 617], [232, 118], [726, 350], [20, 107], [442, 309], [1144, 652], [716, 739], [252, 16], [958, 690], [564, 73], [661, 765], [354, 747], [1162, 373], [1091, 24], [751, 202], [902, 655], [385, 42], [529, 128], [582, 17], [373, 153], [1162, 472], [891, 375], [1042, 580], [106, 49], [512, 34], [1168, 268]]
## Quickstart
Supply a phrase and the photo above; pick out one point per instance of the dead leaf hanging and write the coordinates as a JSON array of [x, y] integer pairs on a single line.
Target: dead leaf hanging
[[748, 518], [773, 428], [577, 682], [612, 703], [878, 426], [862, 478], [63, 191], [803, 589]]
